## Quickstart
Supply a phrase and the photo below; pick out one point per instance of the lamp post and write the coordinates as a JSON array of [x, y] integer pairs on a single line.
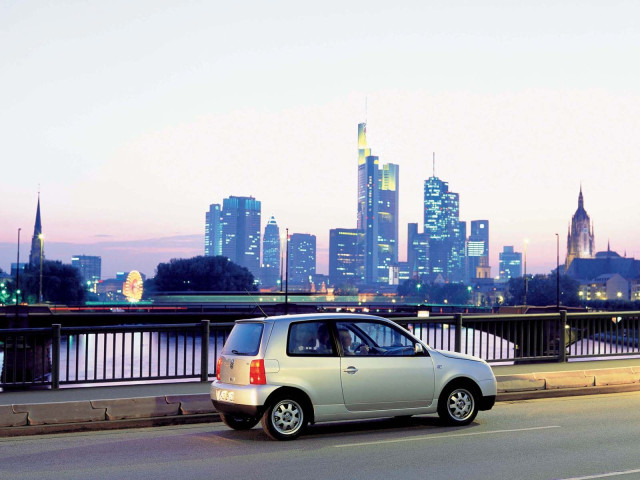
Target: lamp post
[[558, 272], [525, 272], [286, 277], [41, 237], [18, 275]]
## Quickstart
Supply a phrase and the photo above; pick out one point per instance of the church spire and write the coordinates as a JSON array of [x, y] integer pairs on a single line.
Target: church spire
[[36, 240]]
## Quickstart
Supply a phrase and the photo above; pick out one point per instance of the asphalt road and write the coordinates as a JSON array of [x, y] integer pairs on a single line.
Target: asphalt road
[[562, 438]]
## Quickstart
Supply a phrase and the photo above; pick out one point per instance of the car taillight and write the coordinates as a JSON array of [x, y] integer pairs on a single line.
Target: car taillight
[[257, 375], [218, 365]]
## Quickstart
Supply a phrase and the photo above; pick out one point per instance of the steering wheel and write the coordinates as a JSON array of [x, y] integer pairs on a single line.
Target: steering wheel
[[361, 349]]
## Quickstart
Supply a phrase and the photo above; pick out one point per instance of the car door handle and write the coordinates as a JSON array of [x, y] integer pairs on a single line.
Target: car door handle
[[350, 370]]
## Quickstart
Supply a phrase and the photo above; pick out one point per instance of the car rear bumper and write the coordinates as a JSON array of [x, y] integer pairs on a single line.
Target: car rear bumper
[[240, 399], [486, 402]]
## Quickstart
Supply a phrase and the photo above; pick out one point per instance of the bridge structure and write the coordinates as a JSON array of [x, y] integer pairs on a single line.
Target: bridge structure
[[53, 346]]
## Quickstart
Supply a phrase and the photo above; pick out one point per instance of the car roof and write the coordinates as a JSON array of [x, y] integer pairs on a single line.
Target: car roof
[[314, 316]]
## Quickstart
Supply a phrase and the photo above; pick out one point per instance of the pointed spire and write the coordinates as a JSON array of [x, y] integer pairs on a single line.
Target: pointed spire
[[37, 229]]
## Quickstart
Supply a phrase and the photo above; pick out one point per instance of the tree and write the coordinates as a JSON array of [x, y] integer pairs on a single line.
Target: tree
[[201, 274], [542, 290], [61, 283]]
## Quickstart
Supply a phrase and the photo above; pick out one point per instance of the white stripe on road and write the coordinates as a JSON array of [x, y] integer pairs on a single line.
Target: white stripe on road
[[433, 437], [604, 475]]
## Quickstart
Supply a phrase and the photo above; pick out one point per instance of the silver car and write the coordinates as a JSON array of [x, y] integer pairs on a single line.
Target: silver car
[[290, 371]]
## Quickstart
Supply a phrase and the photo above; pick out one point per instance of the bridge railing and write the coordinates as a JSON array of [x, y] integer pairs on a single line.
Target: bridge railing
[[60, 355]]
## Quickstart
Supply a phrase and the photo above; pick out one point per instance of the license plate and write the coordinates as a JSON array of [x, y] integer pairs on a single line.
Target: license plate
[[225, 395]]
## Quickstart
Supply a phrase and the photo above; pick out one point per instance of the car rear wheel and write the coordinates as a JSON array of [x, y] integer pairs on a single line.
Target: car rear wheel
[[239, 422], [458, 405], [285, 418]]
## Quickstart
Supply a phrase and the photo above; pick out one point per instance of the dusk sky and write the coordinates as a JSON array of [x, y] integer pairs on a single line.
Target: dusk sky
[[131, 117]]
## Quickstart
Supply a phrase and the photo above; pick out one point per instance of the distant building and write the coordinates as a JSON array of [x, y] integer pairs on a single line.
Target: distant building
[[510, 264], [302, 259], [446, 232], [270, 273], [417, 265], [37, 241], [610, 286], [213, 231], [346, 252], [584, 270], [89, 266], [478, 251], [580, 239], [240, 230], [377, 215]]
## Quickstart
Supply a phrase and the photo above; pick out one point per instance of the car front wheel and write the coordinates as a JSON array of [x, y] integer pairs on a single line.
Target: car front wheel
[[239, 422], [458, 405], [284, 419]]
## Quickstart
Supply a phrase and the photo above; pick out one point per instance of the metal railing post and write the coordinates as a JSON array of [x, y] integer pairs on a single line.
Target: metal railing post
[[204, 351], [458, 338], [562, 347], [55, 356]]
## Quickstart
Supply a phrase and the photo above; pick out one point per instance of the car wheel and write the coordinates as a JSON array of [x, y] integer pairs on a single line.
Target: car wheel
[[239, 422], [284, 419], [458, 405]]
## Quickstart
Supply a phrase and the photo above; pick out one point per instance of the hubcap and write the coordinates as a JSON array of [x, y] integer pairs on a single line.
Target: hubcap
[[287, 417], [460, 404]]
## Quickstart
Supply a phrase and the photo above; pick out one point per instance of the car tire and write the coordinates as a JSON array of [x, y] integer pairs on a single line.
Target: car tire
[[285, 418], [458, 404], [239, 422]]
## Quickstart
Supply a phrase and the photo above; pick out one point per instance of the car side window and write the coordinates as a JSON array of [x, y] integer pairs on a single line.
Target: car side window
[[310, 338], [374, 339]]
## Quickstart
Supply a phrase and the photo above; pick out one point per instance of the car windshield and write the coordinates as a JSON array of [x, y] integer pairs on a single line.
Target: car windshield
[[244, 339]]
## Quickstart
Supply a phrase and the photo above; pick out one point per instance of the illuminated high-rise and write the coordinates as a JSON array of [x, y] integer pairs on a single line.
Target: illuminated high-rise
[[378, 193], [302, 259], [446, 231], [271, 255], [478, 250], [89, 266], [346, 247], [213, 231], [241, 232], [510, 263], [417, 252]]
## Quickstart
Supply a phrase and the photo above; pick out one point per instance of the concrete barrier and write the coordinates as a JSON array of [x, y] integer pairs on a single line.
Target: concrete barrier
[[8, 418], [520, 383], [143, 407], [63, 412], [572, 379], [192, 404]]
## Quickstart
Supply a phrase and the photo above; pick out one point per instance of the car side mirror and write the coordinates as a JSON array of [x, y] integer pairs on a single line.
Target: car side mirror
[[418, 349]]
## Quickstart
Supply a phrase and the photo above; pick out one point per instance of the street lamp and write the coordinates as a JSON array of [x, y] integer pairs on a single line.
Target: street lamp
[[558, 272], [525, 271], [18, 275], [41, 237]]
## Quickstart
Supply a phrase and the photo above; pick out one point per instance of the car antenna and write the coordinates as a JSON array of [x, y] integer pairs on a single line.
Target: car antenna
[[257, 304]]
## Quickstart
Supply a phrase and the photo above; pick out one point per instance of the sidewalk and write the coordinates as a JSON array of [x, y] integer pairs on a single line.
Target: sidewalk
[[37, 411]]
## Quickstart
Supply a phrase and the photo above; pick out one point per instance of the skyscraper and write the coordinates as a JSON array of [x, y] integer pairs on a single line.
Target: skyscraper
[[387, 216], [89, 266], [510, 263], [478, 250], [378, 190], [346, 256], [446, 232], [302, 258], [241, 232], [580, 239], [271, 255], [37, 241], [417, 252], [213, 231]]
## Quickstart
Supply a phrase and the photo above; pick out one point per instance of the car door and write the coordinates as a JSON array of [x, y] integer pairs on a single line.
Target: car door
[[381, 370]]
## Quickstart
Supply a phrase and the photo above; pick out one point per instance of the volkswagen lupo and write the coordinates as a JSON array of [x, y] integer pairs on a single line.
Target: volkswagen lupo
[[290, 371]]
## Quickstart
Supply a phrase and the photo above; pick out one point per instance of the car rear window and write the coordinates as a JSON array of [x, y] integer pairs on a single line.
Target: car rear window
[[244, 339]]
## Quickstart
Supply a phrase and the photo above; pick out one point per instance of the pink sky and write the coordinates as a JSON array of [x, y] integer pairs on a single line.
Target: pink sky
[[133, 118]]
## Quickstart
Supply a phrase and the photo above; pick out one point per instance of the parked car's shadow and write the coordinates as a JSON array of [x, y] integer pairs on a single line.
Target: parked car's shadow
[[416, 425]]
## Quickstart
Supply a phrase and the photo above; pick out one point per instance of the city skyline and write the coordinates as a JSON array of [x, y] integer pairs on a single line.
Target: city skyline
[[131, 133]]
